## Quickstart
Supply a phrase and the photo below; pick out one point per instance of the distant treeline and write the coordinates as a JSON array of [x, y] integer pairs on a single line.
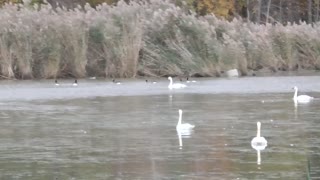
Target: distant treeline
[[154, 38], [258, 11]]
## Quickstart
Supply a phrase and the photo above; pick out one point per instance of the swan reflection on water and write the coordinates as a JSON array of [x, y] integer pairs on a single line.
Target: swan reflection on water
[[259, 143], [258, 149], [183, 134]]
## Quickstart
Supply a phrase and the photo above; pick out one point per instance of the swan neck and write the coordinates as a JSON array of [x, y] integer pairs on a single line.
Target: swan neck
[[258, 130], [180, 118], [170, 84], [295, 93]]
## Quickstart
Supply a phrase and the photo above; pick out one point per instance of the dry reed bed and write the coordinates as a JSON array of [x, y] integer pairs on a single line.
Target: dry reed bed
[[152, 39]]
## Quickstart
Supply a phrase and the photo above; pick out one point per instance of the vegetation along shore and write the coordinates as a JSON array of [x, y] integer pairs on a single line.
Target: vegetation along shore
[[140, 38]]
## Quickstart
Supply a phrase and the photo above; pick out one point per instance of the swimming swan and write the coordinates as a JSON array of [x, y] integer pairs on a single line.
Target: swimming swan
[[258, 142], [175, 85], [301, 98], [185, 127]]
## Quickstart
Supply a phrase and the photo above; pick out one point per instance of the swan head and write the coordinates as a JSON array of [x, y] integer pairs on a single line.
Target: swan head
[[295, 88], [180, 111], [170, 78], [258, 123]]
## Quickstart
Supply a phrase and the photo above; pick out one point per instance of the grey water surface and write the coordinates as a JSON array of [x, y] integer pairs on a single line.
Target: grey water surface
[[100, 130]]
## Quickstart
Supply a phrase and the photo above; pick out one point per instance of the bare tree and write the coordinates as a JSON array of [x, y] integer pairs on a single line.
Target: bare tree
[[317, 12], [309, 11], [280, 9], [248, 11], [268, 10], [289, 9], [259, 11]]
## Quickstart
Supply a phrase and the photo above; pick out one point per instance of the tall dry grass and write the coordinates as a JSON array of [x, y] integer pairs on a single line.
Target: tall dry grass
[[154, 38]]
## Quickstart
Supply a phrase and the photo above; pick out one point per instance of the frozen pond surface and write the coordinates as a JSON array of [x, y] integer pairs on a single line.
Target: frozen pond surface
[[100, 130]]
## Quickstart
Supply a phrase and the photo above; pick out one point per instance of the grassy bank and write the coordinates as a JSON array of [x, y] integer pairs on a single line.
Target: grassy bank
[[150, 39]]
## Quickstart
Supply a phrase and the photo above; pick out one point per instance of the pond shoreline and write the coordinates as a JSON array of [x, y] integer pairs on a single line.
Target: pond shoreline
[[260, 73], [27, 90]]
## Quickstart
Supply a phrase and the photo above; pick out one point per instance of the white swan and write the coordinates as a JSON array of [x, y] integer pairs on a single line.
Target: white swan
[[259, 143], [75, 83], [183, 128], [301, 98], [175, 85]]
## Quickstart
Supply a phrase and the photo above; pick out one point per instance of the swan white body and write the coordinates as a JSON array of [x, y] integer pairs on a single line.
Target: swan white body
[[183, 128], [301, 98], [175, 85]]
